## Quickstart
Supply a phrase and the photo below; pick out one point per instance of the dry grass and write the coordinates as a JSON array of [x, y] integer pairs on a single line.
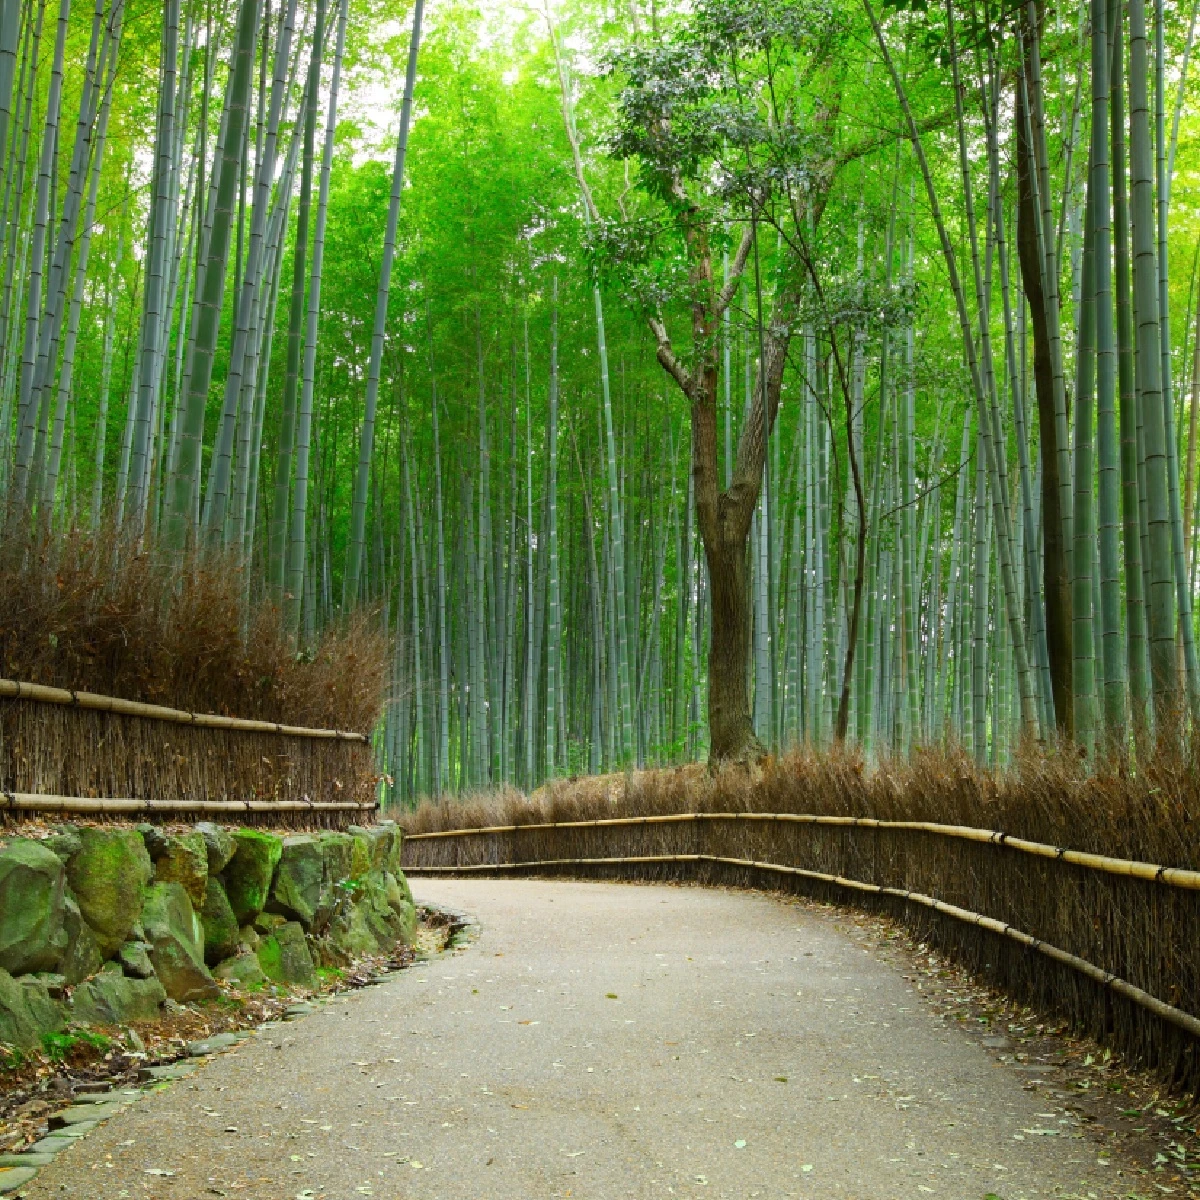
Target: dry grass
[[92, 612], [1141, 931]]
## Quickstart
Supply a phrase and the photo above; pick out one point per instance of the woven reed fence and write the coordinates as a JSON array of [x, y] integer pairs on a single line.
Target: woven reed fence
[[1110, 943], [64, 752]]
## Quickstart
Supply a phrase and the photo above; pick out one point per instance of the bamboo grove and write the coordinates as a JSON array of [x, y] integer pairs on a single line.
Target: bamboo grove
[[668, 379]]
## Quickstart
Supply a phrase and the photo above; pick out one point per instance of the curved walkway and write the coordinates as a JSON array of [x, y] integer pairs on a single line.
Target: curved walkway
[[601, 1041]]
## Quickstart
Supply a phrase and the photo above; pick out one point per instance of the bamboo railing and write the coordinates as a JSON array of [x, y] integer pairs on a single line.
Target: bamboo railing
[[102, 765], [128, 806], [11, 689], [1173, 876]]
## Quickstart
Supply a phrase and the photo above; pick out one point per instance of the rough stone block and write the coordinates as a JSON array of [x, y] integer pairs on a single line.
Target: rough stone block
[[285, 957], [296, 892], [82, 956], [221, 934], [219, 843], [112, 999], [250, 871], [184, 860], [176, 939], [32, 899], [242, 969], [108, 878], [26, 1012]]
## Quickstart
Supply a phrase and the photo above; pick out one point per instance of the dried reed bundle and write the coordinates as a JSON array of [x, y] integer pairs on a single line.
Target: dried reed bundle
[[94, 612], [76, 752]]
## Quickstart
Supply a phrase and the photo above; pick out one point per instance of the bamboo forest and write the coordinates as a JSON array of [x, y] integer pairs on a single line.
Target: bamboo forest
[[669, 381]]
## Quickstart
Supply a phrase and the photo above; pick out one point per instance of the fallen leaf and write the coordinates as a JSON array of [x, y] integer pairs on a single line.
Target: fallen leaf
[[610, 995]]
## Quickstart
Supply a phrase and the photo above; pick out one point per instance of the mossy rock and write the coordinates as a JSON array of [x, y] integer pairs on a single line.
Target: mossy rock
[[64, 841], [113, 999], [184, 860], [108, 878], [397, 845], [82, 956], [337, 853], [219, 843], [400, 901], [369, 923], [379, 842], [176, 939], [32, 903], [27, 1012], [384, 903], [296, 892], [402, 883], [134, 958], [360, 852], [221, 933], [242, 969], [353, 934], [250, 870], [285, 957]]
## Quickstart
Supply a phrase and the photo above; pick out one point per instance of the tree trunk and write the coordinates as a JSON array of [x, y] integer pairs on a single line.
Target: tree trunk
[[731, 730]]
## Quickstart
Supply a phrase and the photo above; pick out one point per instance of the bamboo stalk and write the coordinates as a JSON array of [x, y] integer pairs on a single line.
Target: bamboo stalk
[[1176, 1016], [1180, 877], [11, 689]]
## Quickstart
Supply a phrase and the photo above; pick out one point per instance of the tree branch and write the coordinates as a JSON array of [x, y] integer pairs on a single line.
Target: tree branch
[[666, 355], [736, 270]]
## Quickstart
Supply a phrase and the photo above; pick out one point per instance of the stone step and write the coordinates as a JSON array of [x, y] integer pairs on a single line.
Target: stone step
[[12, 1178], [80, 1113]]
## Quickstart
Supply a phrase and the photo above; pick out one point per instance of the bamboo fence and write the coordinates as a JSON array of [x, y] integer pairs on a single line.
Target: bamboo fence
[[1107, 941], [65, 751]]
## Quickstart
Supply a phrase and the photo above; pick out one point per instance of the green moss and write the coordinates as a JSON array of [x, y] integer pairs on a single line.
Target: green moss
[[108, 878], [249, 873], [270, 958]]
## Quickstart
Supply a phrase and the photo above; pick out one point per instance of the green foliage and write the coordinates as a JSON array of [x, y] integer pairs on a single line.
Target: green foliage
[[58, 1046]]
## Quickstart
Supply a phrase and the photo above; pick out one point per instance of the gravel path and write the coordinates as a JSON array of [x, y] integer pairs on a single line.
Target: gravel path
[[602, 1041]]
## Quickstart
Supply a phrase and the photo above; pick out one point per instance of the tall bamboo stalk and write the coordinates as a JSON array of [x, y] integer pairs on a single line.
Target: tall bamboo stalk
[[358, 516]]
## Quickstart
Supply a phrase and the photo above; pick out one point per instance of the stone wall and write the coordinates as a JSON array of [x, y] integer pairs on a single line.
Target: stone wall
[[106, 925]]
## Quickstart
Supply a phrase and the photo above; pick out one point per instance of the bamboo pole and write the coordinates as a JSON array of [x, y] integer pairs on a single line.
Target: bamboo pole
[[101, 806], [12, 690]]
